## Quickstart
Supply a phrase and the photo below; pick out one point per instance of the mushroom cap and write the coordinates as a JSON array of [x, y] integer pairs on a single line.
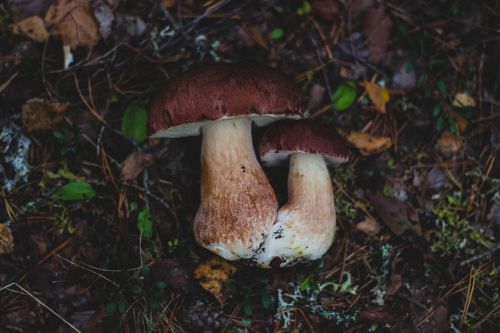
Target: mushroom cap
[[282, 139], [223, 90]]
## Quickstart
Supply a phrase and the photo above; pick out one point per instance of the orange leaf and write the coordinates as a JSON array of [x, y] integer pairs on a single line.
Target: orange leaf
[[32, 27], [369, 144], [6, 239], [378, 95]]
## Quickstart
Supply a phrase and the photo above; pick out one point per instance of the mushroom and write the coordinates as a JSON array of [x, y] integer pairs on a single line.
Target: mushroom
[[220, 101], [305, 226]]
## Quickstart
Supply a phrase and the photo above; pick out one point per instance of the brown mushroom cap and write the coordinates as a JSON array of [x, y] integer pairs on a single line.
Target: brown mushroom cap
[[223, 90], [282, 139]]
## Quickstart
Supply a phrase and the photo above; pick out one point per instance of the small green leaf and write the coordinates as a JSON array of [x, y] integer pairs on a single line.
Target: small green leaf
[[441, 87], [134, 122], [135, 289], [145, 223], [436, 111], [266, 300], [78, 190], [247, 307], [160, 285], [344, 96], [110, 307], [305, 9], [121, 306], [277, 33]]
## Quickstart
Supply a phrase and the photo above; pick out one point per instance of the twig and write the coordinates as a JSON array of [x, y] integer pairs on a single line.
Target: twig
[[481, 255]]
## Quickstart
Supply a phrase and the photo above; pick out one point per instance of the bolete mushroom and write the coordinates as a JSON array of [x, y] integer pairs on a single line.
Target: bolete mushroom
[[305, 226], [220, 101]]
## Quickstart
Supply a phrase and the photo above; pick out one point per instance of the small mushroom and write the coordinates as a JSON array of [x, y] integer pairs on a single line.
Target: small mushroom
[[305, 226], [220, 101]]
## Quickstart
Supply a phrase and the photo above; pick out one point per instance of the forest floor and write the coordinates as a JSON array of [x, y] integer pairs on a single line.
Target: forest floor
[[96, 219]]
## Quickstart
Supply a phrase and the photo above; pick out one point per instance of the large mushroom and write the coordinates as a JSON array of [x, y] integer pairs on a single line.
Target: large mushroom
[[305, 226], [220, 101]]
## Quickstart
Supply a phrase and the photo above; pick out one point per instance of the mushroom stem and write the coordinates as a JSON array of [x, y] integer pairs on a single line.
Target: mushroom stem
[[235, 192], [305, 225]]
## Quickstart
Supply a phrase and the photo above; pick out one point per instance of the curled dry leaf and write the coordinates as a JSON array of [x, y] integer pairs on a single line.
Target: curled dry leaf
[[213, 274], [31, 27], [369, 144], [369, 226], [377, 28], [326, 9], [6, 239], [378, 95], [39, 115], [72, 20], [135, 164], [448, 144]]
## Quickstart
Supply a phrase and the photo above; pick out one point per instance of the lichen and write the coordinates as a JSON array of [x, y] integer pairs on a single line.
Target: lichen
[[15, 154]]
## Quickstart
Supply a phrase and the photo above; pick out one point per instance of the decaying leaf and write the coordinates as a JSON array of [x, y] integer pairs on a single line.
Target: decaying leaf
[[326, 9], [72, 20], [135, 164], [39, 115], [31, 27], [378, 95], [369, 226], [461, 121], [369, 144], [213, 274], [463, 100], [6, 239], [376, 28], [397, 216], [448, 144], [167, 3], [395, 285]]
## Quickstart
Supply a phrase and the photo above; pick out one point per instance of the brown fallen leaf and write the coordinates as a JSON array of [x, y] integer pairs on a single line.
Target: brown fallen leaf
[[315, 96], [369, 226], [461, 121], [395, 285], [72, 20], [31, 27], [6, 239], [397, 216], [135, 164], [378, 95], [213, 274], [39, 115], [377, 28], [326, 9], [369, 144], [167, 3], [448, 144], [379, 316]]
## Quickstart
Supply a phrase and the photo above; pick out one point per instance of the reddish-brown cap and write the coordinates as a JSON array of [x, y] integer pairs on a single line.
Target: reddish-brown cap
[[284, 138], [221, 90]]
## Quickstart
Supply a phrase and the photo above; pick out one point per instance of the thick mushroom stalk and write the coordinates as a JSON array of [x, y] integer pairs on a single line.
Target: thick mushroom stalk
[[305, 226], [238, 205]]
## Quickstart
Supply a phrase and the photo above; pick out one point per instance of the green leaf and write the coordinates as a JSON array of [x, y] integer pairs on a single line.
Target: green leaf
[[344, 96], [436, 111], [247, 307], [266, 300], [305, 9], [135, 289], [441, 87], [79, 190], [110, 307], [134, 122], [145, 223], [277, 33]]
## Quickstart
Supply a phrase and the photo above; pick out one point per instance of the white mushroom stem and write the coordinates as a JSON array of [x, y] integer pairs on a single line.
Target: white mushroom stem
[[238, 205], [305, 225]]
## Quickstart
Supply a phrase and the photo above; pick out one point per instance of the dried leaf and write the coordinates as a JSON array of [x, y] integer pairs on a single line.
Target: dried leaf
[[369, 144], [135, 164], [369, 226], [39, 115], [213, 274], [326, 9], [396, 283], [32, 27], [461, 121], [463, 100], [315, 96], [448, 144], [72, 20], [378, 95], [168, 3], [398, 216], [6, 239], [377, 28]]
